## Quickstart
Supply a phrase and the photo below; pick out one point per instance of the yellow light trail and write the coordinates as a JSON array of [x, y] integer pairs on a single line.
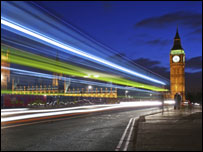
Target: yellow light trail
[[20, 57]]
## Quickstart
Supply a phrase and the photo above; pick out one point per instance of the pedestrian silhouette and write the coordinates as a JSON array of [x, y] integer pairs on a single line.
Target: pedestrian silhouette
[[162, 101], [177, 99]]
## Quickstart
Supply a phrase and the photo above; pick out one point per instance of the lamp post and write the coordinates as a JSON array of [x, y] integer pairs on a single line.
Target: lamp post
[[89, 87], [150, 96], [126, 91]]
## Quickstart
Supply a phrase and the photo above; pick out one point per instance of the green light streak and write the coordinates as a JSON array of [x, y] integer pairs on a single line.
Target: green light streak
[[32, 60]]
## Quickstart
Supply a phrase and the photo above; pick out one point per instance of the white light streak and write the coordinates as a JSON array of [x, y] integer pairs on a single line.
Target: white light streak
[[170, 102], [55, 112], [11, 110], [74, 50], [6, 112]]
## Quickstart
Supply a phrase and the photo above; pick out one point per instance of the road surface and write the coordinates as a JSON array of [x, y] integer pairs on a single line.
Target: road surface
[[95, 131]]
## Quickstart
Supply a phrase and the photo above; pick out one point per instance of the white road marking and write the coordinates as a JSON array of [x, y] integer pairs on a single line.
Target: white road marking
[[123, 136], [129, 136]]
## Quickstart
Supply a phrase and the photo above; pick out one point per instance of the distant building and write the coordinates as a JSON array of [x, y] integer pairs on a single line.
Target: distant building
[[177, 68], [5, 73]]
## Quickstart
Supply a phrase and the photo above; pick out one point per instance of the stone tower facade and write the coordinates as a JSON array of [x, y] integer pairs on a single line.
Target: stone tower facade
[[177, 68]]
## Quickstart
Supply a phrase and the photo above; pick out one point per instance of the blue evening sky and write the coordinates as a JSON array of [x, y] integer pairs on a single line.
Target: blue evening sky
[[137, 29]]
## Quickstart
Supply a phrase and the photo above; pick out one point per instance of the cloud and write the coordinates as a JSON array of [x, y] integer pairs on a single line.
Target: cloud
[[197, 31], [153, 66], [189, 19], [146, 62], [194, 63], [163, 71], [159, 42]]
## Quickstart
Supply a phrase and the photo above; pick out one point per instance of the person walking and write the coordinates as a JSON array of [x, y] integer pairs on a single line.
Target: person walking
[[177, 99], [162, 101]]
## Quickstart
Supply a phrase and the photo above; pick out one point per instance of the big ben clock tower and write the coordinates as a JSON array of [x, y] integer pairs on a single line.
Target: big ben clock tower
[[177, 66]]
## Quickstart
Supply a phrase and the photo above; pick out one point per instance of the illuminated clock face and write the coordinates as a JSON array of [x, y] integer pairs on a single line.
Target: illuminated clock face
[[176, 58]]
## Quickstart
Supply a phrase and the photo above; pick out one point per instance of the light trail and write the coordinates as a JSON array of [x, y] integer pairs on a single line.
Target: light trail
[[49, 76], [7, 112], [12, 110], [74, 50], [169, 102], [29, 59], [109, 107]]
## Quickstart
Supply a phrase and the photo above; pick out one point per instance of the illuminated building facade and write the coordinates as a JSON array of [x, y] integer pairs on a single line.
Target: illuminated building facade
[[177, 66], [57, 76], [5, 73]]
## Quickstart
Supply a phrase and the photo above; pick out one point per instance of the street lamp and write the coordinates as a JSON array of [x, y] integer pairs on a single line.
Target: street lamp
[[89, 87], [126, 91]]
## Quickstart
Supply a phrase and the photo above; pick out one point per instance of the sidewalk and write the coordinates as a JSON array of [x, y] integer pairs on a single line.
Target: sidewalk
[[175, 130]]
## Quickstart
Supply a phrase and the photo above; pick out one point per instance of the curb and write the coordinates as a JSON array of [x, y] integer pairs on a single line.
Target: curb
[[142, 119]]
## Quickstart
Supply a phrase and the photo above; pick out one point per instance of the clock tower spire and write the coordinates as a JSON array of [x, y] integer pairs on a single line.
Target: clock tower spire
[[177, 43], [177, 68]]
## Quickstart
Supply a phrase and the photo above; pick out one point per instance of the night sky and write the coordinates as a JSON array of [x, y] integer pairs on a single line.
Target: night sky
[[141, 31]]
